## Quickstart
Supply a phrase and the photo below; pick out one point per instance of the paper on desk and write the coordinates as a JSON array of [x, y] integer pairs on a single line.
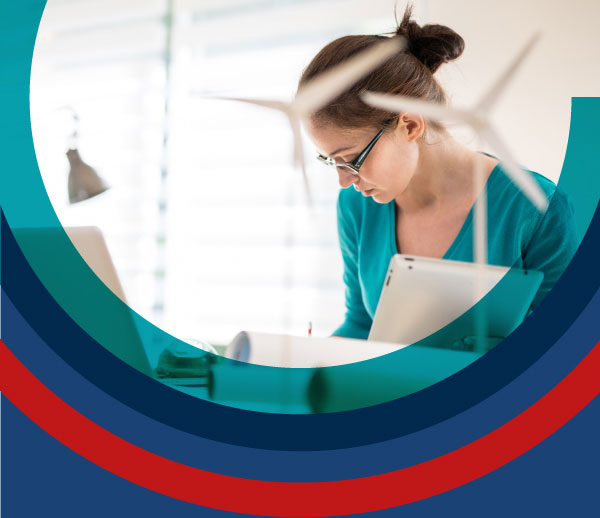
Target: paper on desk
[[303, 352]]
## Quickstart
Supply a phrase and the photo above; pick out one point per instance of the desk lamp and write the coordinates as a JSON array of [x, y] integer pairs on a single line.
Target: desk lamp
[[84, 182]]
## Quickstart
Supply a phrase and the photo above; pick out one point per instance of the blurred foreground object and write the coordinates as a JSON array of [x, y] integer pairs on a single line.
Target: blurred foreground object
[[186, 359]]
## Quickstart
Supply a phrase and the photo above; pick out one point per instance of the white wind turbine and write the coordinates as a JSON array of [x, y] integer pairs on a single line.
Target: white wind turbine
[[478, 119], [324, 88]]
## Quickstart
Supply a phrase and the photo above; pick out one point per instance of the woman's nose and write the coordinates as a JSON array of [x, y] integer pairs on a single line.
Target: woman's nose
[[346, 179]]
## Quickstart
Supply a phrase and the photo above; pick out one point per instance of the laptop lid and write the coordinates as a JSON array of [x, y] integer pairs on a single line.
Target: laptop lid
[[90, 244]]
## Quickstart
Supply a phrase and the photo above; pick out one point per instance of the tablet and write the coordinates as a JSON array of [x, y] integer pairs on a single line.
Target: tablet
[[434, 301]]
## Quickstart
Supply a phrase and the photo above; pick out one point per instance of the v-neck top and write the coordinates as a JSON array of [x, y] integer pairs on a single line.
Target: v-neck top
[[518, 235]]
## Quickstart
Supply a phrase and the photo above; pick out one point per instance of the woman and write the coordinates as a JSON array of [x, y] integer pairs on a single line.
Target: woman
[[413, 184]]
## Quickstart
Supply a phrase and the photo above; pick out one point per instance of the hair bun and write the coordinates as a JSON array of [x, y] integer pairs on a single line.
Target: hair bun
[[433, 45]]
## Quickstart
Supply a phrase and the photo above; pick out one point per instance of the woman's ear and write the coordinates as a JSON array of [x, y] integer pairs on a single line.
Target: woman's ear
[[412, 126]]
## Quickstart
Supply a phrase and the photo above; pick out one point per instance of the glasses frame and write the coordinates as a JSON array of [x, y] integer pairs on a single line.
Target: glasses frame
[[353, 166]]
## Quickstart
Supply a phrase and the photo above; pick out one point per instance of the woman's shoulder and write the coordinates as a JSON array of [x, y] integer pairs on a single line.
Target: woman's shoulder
[[503, 188], [508, 204]]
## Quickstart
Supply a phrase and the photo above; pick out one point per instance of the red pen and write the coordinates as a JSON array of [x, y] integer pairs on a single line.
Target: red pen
[[309, 328]]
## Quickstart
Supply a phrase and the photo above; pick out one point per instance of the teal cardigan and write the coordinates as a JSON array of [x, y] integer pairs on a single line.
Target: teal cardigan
[[518, 235]]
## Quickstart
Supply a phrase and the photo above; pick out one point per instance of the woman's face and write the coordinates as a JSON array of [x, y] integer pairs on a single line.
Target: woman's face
[[387, 170]]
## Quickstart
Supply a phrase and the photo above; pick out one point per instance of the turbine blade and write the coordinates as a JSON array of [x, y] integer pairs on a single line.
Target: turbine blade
[[299, 156], [490, 98], [403, 104], [331, 83], [521, 177], [267, 103]]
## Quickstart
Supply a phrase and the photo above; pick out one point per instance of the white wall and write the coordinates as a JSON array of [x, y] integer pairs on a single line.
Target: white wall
[[534, 114]]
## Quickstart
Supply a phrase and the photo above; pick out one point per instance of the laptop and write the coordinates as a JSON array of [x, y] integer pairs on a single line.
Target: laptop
[[91, 246], [433, 301]]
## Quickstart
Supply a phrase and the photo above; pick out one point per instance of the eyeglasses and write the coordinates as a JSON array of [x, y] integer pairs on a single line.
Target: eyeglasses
[[354, 166]]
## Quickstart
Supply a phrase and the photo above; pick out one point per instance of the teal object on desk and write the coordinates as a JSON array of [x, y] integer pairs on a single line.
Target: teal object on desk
[[182, 360], [518, 236]]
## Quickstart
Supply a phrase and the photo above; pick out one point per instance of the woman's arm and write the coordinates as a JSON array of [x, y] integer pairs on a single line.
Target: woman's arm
[[357, 323], [553, 243]]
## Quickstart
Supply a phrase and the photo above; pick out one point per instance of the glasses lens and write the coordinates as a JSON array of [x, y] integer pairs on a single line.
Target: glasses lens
[[326, 160], [346, 169]]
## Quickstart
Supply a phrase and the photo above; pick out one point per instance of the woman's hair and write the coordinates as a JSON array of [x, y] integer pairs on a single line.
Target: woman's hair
[[408, 73]]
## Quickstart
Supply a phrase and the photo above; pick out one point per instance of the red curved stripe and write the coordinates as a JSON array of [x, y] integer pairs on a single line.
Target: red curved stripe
[[240, 495]]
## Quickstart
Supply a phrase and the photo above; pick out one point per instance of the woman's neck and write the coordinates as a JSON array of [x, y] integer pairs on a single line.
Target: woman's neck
[[445, 173]]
